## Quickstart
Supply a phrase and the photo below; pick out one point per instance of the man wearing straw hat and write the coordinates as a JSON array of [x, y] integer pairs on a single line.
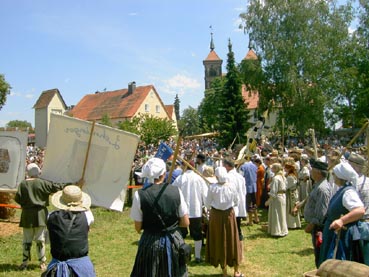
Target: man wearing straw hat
[[33, 196], [68, 229]]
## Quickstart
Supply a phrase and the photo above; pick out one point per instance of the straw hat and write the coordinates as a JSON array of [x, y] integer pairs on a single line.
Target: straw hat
[[71, 198]]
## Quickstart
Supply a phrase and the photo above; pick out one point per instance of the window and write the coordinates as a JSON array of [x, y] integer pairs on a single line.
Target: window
[[147, 108], [157, 108], [57, 111]]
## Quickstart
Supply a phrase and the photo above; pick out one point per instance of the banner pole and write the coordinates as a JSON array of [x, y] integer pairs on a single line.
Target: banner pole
[[88, 151], [174, 160], [194, 169]]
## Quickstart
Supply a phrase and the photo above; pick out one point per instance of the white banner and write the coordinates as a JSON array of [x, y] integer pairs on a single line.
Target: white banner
[[13, 149], [109, 161]]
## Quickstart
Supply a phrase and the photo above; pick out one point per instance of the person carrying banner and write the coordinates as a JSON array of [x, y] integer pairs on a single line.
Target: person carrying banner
[[33, 196], [154, 206], [68, 229]]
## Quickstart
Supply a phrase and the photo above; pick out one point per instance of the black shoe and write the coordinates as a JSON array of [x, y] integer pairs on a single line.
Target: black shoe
[[198, 260]]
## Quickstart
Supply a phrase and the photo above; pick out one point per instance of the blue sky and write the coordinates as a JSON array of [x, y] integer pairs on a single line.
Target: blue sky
[[83, 46]]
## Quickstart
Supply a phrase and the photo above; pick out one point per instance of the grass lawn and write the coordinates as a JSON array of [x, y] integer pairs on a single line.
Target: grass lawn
[[113, 246]]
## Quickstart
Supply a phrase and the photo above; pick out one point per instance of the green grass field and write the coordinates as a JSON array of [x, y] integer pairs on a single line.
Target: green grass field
[[113, 246]]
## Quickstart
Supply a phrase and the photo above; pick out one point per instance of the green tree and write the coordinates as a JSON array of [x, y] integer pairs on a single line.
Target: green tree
[[131, 125], [233, 113], [19, 124], [177, 107], [362, 37], [300, 45], [105, 120], [151, 129], [189, 123], [4, 91], [208, 110]]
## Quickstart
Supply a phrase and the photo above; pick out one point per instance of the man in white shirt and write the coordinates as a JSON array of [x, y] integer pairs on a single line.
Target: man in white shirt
[[238, 181], [194, 190]]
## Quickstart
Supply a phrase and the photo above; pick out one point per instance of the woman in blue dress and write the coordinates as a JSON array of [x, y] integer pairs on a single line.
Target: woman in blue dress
[[344, 210]]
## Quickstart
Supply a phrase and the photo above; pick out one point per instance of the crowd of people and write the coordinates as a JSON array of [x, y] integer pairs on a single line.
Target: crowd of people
[[326, 187], [207, 195]]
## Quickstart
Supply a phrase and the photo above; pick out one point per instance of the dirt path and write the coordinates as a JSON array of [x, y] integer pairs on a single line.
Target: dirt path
[[8, 228]]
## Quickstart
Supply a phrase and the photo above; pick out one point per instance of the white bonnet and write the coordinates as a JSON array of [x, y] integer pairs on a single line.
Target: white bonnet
[[153, 169], [221, 173], [345, 171]]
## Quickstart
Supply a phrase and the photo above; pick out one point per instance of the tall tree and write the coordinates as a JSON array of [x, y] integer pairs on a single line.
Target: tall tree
[[177, 107], [189, 123], [362, 36], [4, 90], [208, 110], [299, 43], [233, 113]]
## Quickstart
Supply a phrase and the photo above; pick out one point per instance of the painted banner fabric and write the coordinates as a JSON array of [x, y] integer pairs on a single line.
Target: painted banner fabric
[[13, 149], [109, 162]]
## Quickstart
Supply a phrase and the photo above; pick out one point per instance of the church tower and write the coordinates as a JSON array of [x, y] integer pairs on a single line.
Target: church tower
[[212, 64]]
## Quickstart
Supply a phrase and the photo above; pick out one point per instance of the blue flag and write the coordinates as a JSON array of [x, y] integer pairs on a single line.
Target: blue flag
[[164, 152]]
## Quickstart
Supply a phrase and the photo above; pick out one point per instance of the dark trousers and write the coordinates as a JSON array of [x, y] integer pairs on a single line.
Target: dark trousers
[[195, 229]]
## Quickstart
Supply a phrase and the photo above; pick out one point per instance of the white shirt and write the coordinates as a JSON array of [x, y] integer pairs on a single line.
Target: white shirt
[[136, 212], [351, 200], [194, 191], [221, 197], [239, 182]]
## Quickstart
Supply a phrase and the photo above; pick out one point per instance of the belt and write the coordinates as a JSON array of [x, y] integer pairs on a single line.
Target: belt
[[281, 192], [364, 220]]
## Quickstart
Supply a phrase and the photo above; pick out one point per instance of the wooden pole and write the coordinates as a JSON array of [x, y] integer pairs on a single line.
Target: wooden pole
[[312, 132], [174, 159], [358, 134], [87, 152], [194, 169]]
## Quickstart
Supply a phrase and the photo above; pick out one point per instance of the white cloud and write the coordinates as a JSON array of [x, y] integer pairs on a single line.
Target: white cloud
[[133, 14], [13, 93], [179, 84], [29, 95]]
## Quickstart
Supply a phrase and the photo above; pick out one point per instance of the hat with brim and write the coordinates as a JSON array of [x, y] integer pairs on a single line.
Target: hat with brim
[[318, 165], [356, 159], [71, 198]]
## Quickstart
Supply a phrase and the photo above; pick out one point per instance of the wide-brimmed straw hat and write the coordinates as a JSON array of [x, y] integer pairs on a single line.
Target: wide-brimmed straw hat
[[71, 198]]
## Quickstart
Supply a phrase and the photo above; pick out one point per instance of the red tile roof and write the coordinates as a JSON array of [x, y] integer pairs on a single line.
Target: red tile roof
[[170, 110], [251, 98], [45, 98], [212, 56], [251, 55], [116, 104]]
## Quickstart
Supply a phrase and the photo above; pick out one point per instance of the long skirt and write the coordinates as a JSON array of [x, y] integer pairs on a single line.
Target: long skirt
[[223, 246], [158, 256]]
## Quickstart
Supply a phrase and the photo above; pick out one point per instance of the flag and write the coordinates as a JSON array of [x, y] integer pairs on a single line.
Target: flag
[[13, 149], [109, 162], [164, 152]]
